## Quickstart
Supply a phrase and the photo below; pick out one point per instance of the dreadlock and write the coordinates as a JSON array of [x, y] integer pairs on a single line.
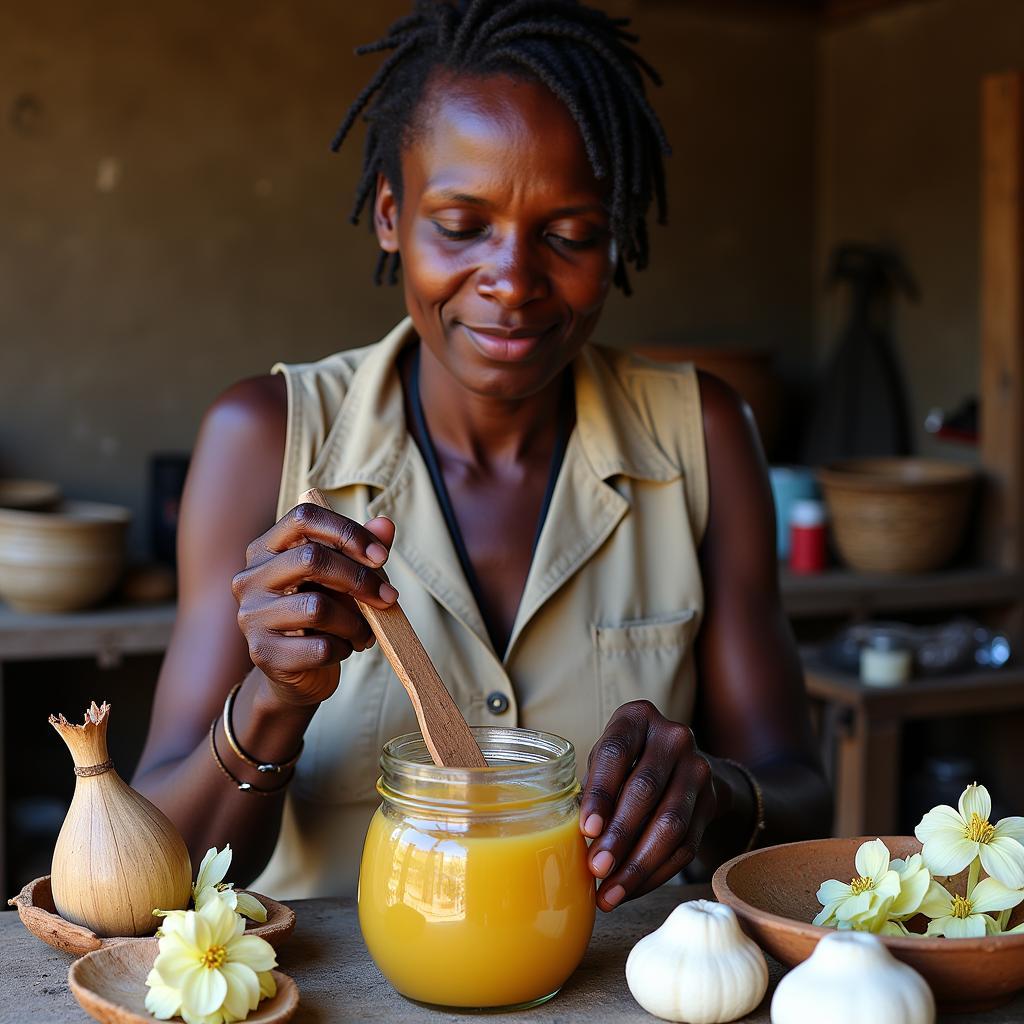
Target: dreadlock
[[581, 54]]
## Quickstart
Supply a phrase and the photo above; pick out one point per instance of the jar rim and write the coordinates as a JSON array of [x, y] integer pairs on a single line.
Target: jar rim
[[540, 758]]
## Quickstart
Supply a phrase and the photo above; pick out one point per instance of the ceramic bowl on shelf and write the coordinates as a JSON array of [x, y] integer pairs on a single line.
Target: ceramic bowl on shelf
[[35, 908], [110, 985], [29, 495], [773, 892], [64, 559]]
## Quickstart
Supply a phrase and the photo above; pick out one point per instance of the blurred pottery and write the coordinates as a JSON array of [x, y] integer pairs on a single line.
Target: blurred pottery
[[31, 495], [62, 560], [773, 892]]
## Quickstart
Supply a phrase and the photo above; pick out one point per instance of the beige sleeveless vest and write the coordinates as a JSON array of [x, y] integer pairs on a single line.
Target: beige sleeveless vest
[[609, 613]]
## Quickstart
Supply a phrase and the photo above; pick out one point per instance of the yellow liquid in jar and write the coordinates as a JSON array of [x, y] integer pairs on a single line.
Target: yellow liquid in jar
[[475, 914]]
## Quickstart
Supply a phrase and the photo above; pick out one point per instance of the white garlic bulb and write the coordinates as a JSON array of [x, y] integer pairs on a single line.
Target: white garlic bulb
[[851, 978], [698, 967]]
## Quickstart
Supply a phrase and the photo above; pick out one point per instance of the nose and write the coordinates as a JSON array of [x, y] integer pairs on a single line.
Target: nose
[[514, 274]]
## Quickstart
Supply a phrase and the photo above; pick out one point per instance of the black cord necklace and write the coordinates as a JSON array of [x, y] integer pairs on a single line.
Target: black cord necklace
[[426, 446]]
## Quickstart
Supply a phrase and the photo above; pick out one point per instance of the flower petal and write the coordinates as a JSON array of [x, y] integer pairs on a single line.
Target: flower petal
[[268, 987], [937, 902], [825, 918], [832, 891], [221, 921], [975, 800], [161, 1000], [939, 819], [991, 894], [214, 867], [243, 992], [1012, 828], [913, 888], [252, 951], [872, 859], [888, 886], [946, 850], [251, 907], [1003, 858], [204, 991], [971, 927]]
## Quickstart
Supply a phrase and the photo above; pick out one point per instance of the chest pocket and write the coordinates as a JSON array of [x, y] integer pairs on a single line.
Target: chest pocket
[[340, 762], [646, 659]]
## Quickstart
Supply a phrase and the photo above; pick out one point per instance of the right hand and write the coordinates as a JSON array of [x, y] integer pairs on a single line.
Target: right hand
[[302, 577]]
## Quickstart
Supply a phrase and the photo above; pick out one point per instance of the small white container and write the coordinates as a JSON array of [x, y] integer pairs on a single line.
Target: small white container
[[884, 663]]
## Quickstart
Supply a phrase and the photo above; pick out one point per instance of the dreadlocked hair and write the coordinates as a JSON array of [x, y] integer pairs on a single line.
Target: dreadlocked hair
[[581, 54]]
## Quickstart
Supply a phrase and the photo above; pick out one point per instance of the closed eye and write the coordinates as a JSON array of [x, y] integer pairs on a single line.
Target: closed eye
[[456, 235]]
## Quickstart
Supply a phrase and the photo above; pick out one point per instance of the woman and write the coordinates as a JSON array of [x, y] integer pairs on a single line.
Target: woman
[[584, 541]]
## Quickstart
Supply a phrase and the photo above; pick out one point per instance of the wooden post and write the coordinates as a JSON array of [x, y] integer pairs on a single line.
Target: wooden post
[[1002, 315]]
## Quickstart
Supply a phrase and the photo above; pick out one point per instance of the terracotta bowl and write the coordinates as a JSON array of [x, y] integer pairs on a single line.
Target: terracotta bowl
[[110, 985], [773, 891], [36, 910], [36, 495], [62, 560]]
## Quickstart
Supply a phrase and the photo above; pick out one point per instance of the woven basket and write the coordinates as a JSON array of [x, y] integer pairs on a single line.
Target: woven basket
[[897, 515]]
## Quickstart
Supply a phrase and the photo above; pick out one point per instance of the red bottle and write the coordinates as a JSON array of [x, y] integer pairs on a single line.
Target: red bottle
[[807, 536]]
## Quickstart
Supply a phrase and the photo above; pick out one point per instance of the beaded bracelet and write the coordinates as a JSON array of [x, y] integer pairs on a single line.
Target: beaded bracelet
[[759, 823], [243, 787], [264, 767]]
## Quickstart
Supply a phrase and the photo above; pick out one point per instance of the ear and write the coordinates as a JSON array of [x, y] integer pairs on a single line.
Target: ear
[[385, 215]]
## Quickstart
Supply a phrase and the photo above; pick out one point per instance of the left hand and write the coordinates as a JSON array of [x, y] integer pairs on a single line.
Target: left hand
[[648, 796]]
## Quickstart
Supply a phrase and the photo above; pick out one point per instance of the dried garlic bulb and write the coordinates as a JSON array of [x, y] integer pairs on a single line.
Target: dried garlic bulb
[[117, 857]]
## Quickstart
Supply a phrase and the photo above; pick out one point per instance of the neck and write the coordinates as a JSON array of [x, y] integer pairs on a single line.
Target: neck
[[482, 430]]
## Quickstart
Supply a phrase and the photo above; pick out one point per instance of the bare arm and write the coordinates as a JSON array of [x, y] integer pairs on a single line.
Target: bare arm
[[655, 800], [230, 498], [752, 706]]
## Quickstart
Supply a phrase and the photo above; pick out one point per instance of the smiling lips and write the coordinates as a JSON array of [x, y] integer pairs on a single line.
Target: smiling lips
[[507, 345]]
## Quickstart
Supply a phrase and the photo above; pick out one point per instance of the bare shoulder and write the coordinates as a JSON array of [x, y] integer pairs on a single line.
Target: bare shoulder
[[254, 408], [728, 422]]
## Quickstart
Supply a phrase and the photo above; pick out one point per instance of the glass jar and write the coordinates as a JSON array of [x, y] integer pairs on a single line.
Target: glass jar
[[474, 890]]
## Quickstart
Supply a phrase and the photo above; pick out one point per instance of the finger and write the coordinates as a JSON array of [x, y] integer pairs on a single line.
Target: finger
[[307, 522], [640, 794], [279, 656], [667, 844], [610, 761], [383, 529], [317, 563], [314, 611]]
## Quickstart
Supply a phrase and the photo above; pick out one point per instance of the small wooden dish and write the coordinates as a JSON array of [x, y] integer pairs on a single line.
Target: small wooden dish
[[40, 917], [773, 892], [110, 985]]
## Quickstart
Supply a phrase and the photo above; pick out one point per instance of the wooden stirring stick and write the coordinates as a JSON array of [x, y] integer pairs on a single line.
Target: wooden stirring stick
[[446, 733]]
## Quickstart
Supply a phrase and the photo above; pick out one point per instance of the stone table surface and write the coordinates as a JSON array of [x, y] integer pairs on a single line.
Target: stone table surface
[[338, 982]]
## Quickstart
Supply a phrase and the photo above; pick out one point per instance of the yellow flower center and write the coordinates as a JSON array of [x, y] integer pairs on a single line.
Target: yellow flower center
[[979, 830], [961, 906], [214, 957], [859, 885]]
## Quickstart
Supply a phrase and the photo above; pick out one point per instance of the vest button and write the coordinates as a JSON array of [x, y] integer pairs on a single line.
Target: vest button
[[497, 703]]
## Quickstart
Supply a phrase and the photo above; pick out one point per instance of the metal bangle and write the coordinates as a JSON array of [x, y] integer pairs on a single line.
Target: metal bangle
[[264, 767], [243, 787], [759, 822]]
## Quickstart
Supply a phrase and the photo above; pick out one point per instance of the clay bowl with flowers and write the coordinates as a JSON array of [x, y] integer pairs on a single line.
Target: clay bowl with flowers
[[39, 915], [774, 893]]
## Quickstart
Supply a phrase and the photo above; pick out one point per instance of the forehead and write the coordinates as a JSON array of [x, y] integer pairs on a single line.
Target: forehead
[[500, 130]]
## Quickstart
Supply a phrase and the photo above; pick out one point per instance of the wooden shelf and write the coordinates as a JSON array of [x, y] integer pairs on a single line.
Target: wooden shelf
[[843, 592], [103, 633]]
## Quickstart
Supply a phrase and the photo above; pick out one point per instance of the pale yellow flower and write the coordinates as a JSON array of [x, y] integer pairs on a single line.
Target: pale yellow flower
[[207, 970], [861, 904], [967, 917], [951, 839], [210, 883], [914, 882]]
